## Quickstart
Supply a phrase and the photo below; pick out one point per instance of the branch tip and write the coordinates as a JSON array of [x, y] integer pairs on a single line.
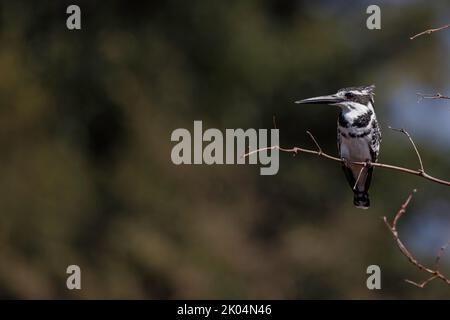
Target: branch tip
[[435, 273]]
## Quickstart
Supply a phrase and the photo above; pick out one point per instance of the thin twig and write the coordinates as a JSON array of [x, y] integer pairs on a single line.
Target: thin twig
[[435, 273], [319, 149], [413, 144], [320, 153], [422, 284], [359, 177], [429, 31], [440, 254], [436, 96]]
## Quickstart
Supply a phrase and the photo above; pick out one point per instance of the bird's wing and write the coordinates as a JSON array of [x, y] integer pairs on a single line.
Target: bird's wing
[[339, 141], [376, 140]]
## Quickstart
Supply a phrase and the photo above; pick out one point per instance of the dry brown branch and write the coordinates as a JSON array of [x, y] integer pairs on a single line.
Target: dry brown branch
[[429, 31], [435, 273], [422, 96], [315, 142], [413, 144], [319, 152]]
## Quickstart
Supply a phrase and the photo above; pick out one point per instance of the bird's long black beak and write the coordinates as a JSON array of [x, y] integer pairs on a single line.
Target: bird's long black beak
[[331, 99]]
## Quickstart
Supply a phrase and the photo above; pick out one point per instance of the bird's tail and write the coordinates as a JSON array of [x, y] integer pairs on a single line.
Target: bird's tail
[[361, 199]]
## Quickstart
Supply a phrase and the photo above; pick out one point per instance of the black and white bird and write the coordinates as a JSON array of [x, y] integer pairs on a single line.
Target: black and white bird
[[358, 136]]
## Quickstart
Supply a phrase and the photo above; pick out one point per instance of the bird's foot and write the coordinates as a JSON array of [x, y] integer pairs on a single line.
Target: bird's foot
[[368, 163]]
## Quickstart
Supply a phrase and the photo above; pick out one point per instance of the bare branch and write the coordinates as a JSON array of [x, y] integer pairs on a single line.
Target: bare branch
[[429, 31], [436, 96], [422, 284], [315, 142], [413, 144], [322, 154], [435, 273]]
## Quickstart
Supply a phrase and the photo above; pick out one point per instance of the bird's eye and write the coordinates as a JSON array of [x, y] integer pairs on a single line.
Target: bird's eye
[[349, 95]]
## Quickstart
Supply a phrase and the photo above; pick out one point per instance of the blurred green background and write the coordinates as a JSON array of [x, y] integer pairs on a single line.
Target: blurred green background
[[86, 176]]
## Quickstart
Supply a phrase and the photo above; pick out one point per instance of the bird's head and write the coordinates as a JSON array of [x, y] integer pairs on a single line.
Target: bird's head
[[353, 98]]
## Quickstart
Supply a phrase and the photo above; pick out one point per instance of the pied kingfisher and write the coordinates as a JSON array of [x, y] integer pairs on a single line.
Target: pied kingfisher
[[358, 136]]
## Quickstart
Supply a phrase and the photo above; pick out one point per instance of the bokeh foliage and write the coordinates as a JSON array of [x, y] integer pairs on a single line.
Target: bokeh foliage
[[86, 175]]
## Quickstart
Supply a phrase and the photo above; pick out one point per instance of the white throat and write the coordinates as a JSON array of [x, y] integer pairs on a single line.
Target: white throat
[[352, 110]]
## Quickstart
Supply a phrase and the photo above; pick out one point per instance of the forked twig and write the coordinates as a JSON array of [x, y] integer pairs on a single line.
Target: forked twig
[[435, 273], [413, 144], [319, 149]]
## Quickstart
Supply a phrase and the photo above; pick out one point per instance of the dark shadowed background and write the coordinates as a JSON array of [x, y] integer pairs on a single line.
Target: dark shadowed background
[[86, 174]]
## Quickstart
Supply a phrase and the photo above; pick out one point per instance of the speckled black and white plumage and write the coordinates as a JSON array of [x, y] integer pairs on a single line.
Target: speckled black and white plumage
[[358, 136], [359, 139]]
